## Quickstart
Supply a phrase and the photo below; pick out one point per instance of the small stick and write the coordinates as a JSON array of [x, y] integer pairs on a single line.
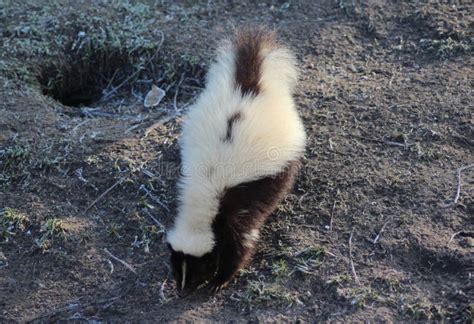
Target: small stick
[[354, 273], [111, 80], [176, 92], [113, 300], [111, 265], [331, 254], [119, 181], [155, 220], [330, 144], [136, 124], [376, 239], [303, 270], [128, 130], [332, 215], [390, 82], [148, 173], [458, 192], [162, 291], [233, 298], [128, 266], [153, 197], [453, 236], [79, 125]]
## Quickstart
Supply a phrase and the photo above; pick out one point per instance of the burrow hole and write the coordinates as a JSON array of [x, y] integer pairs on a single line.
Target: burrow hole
[[91, 72]]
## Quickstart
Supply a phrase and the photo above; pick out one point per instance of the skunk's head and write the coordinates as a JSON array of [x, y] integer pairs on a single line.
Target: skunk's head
[[190, 272]]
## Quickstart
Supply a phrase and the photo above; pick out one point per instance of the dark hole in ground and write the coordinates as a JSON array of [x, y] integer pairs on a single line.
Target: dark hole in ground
[[80, 77], [90, 71]]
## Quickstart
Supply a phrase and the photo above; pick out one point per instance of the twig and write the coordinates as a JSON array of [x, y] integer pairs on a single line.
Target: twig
[[235, 299], [128, 266], [458, 192], [332, 215], [119, 181], [324, 19], [162, 291], [157, 222], [153, 197], [113, 300], [376, 239], [137, 124], [390, 81], [111, 265], [110, 81], [79, 125], [453, 236], [128, 130], [330, 253], [148, 173], [354, 273], [176, 92], [304, 270]]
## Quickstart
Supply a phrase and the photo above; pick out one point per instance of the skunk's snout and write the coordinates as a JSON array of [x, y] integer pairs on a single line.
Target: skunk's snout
[[184, 293]]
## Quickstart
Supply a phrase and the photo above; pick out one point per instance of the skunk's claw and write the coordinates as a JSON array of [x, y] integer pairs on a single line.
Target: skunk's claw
[[217, 287]]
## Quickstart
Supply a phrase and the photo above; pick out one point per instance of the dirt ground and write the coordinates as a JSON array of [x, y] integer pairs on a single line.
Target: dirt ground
[[375, 229]]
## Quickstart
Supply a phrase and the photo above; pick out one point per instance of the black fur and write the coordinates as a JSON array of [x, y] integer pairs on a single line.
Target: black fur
[[249, 43], [230, 126], [242, 208], [202, 269]]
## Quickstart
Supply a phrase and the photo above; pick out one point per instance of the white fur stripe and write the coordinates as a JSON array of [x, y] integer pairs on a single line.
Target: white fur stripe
[[183, 271]]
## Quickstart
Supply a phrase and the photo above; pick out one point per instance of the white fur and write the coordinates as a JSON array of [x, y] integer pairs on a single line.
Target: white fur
[[269, 134], [183, 274], [251, 238]]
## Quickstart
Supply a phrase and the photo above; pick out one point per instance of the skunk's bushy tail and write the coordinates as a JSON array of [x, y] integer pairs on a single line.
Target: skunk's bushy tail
[[254, 63]]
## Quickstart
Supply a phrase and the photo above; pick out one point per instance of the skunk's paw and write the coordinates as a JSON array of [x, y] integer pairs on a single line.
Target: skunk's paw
[[216, 286]]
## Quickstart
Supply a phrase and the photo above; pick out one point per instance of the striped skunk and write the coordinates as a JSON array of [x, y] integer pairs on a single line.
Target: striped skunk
[[240, 148]]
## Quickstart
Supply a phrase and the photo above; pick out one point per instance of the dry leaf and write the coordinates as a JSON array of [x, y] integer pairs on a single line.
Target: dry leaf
[[154, 96]]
